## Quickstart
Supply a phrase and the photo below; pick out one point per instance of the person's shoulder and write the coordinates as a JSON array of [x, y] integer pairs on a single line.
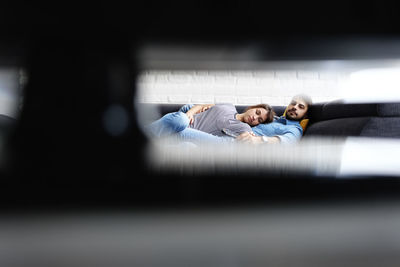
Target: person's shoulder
[[264, 125], [291, 122], [294, 125]]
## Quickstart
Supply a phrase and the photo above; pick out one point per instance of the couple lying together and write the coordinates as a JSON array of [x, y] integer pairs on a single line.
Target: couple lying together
[[221, 123]]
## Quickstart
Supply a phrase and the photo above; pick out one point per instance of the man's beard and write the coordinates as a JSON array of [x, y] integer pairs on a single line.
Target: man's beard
[[288, 116]]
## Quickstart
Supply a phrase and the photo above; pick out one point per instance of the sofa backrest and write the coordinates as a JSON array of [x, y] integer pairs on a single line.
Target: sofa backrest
[[337, 118]]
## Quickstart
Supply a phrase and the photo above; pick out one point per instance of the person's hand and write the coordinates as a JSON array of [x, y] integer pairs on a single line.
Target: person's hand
[[205, 107], [195, 110], [249, 138], [190, 116]]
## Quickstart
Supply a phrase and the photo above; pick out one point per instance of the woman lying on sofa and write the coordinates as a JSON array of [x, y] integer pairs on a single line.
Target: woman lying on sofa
[[210, 123]]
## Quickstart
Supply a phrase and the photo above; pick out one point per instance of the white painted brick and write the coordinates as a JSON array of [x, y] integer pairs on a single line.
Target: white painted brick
[[311, 84], [238, 87], [268, 82], [278, 93], [194, 89], [274, 93], [314, 92], [183, 72], [224, 89], [187, 89], [329, 89], [289, 85], [276, 84], [286, 74], [224, 80], [203, 79], [247, 100], [264, 74], [225, 99], [246, 81], [330, 83], [329, 75], [155, 99], [202, 73], [287, 99], [219, 73], [179, 78], [242, 73], [161, 78], [143, 93], [292, 93], [259, 91], [210, 90], [159, 72], [157, 90], [164, 88], [307, 75], [273, 100], [179, 99], [200, 99], [321, 99], [270, 91], [244, 90]]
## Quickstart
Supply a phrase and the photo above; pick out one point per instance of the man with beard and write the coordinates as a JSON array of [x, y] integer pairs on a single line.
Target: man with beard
[[285, 129]]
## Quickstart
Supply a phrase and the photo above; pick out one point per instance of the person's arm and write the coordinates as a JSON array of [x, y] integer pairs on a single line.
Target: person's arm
[[290, 138], [250, 138], [285, 134], [292, 135], [197, 109]]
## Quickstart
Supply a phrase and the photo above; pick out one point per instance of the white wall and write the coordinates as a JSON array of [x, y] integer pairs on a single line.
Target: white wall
[[275, 87]]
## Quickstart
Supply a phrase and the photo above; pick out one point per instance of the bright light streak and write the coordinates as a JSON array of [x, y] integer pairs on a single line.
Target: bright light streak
[[373, 85], [370, 156]]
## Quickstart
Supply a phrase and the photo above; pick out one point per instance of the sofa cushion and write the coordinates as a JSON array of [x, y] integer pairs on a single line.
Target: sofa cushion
[[338, 127], [337, 109], [388, 109], [382, 127]]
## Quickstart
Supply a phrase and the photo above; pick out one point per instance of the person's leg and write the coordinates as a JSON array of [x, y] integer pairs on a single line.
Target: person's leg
[[168, 124], [177, 123], [199, 137]]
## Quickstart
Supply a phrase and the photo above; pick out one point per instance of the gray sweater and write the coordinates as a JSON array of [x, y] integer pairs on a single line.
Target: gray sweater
[[217, 117]]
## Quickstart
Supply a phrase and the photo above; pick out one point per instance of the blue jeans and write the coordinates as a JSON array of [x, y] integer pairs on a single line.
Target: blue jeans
[[177, 124]]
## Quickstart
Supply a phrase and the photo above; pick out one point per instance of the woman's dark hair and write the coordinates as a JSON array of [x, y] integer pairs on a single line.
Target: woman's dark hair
[[270, 111]]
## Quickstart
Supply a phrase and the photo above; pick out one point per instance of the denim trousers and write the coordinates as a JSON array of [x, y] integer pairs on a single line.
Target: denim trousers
[[176, 124]]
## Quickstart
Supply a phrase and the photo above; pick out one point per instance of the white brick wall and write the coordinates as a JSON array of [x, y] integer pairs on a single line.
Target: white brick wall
[[275, 87]]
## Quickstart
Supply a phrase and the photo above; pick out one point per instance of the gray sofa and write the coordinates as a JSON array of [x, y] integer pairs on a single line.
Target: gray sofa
[[334, 118]]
